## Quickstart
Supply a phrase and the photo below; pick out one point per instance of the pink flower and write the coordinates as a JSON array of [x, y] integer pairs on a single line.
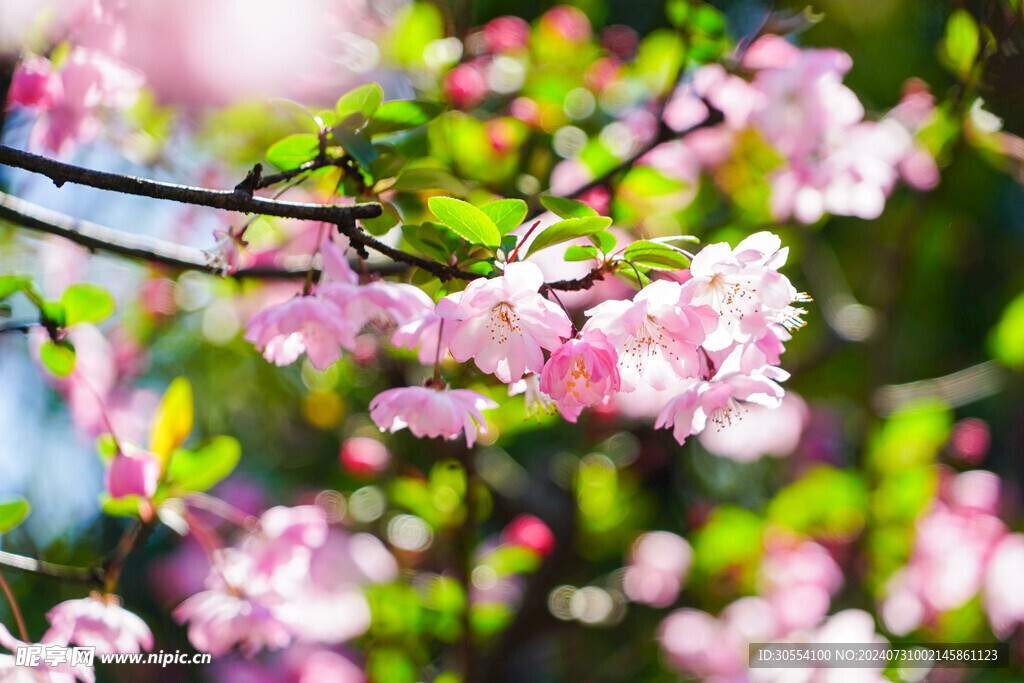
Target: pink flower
[[658, 565], [306, 324], [133, 472], [1004, 593], [566, 22], [42, 672], [705, 646], [744, 287], [34, 84], [381, 303], [799, 579], [219, 619], [582, 372], [101, 622], [464, 86], [503, 323], [762, 431], [656, 338], [717, 399], [506, 33], [363, 457], [529, 531], [430, 412], [429, 333]]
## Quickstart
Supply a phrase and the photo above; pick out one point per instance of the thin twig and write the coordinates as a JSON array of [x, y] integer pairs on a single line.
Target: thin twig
[[15, 609], [28, 565]]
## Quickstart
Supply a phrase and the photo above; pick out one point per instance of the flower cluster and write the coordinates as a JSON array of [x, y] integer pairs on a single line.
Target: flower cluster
[[833, 161], [987, 560], [292, 578], [703, 345], [68, 95]]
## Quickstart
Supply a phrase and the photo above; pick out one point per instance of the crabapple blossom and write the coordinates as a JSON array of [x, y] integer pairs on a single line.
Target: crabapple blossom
[[529, 531], [798, 578], [762, 431], [717, 399], [503, 323], [431, 412], [656, 338], [312, 325], [428, 334], [582, 372], [100, 622], [220, 619], [133, 472], [1003, 596]]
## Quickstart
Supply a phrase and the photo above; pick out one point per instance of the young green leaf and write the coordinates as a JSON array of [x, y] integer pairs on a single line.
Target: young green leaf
[[961, 44], [363, 101], [604, 240], [655, 255], [293, 151], [173, 420], [577, 253], [569, 229], [469, 222], [567, 208], [201, 469], [59, 358], [420, 178], [86, 303], [9, 284], [507, 214], [436, 241], [392, 117], [357, 146], [126, 506], [13, 512]]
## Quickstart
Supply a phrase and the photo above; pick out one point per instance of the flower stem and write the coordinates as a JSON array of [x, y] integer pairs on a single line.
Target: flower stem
[[15, 609]]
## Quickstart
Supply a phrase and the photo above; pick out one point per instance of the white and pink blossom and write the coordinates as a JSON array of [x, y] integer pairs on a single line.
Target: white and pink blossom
[[100, 622], [431, 412], [582, 372]]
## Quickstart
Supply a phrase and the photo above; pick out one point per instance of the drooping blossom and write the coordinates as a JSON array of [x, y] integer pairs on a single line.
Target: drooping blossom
[[305, 324], [718, 399], [133, 472], [100, 622], [762, 432], [656, 338], [581, 372], [658, 565], [503, 324], [431, 412], [63, 671]]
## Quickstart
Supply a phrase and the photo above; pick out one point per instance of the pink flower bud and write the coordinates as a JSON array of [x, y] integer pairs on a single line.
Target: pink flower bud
[[133, 471], [530, 532]]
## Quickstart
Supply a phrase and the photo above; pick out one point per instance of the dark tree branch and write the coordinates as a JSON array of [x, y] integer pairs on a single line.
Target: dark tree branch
[[229, 200]]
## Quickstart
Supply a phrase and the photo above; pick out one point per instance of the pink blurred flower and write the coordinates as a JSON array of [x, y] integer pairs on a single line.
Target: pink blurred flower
[[798, 578], [381, 303], [364, 457], [503, 323], [218, 620], [568, 23], [100, 622], [658, 565], [34, 84], [582, 372], [133, 472], [431, 412], [530, 532], [464, 86], [700, 644], [312, 325], [428, 333], [42, 672], [656, 338], [506, 33], [1003, 595]]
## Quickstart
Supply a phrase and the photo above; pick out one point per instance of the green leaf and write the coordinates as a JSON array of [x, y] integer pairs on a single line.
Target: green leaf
[[392, 117], [420, 178], [85, 303], [655, 255], [293, 151], [201, 469], [659, 58], [9, 284], [489, 618], [567, 208], [707, 19], [605, 241], [577, 253], [512, 559], [507, 214], [961, 44], [677, 12], [173, 420], [53, 311], [379, 225], [569, 229], [59, 358], [363, 101], [13, 512], [126, 506], [469, 222], [357, 145], [436, 241], [1005, 339]]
